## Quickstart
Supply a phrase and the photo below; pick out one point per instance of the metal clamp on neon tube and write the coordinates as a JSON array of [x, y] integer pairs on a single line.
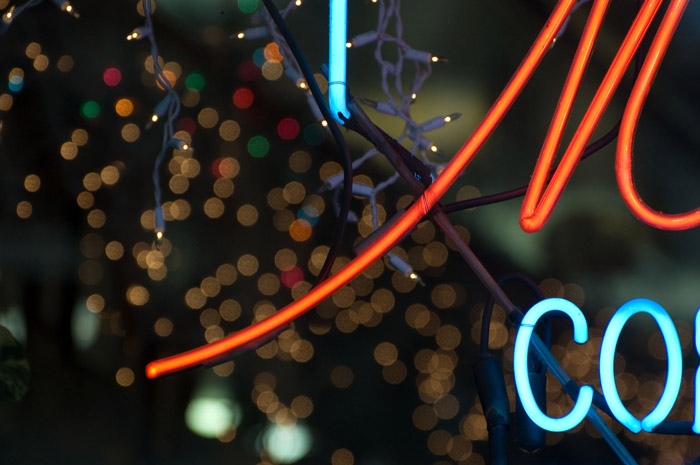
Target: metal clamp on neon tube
[[337, 59]]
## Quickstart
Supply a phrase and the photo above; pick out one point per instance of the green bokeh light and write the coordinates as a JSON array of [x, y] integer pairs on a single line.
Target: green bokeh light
[[248, 6], [258, 146], [212, 416], [287, 443], [90, 109], [195, 81], [314, 134]]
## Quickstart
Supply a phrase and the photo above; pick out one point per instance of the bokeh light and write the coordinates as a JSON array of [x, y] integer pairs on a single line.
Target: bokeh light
[[124, 107], [90, 109], [112, 77], [258, 146], [248, 6], [243, 98], [288, 129], [195, 81]]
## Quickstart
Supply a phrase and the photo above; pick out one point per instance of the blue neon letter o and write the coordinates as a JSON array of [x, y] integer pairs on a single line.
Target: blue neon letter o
[[607, 364]]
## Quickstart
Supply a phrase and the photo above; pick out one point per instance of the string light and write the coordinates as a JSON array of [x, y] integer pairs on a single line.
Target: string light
[[168, 107], [64, 5], [9, 16], [15, 11], [139, 33], [253, 33], [381, 107], [389, 237], [438, 122], [363, 39], [404, 268], [422, 56]]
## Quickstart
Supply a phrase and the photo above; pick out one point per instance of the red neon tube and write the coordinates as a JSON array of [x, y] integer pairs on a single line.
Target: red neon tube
[[404, 224], [628, 127], [537, 207]]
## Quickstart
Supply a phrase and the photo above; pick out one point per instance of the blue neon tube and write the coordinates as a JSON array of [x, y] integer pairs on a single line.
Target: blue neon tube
[[337, 59], [607, 364], [522, 381]]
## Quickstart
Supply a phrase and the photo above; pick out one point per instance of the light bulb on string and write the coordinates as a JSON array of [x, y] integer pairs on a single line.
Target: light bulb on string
[[160, 225], [66, 6], [159, 110], [422, 56], [404, 268], [139, 33], [178, 144], [381, 107], [253, 33], [438, 122], [363, 39], [9, 15]]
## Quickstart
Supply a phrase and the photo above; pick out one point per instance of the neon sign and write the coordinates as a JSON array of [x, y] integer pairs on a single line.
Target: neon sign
[[337, 58], [584, 399], [539, 201]]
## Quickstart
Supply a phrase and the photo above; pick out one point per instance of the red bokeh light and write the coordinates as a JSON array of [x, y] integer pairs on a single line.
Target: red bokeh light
[[186, 124], [248, 71], [112, 77], [224, 167], [243, 98], [288, 128], [292, 276]]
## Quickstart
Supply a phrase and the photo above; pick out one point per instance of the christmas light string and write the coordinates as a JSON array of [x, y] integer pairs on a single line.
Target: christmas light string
[[297, 67], [402, 225], [168, 109], [13, 12], [259, 331]]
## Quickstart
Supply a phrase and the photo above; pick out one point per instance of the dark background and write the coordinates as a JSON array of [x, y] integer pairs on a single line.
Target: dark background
[[76, 411]]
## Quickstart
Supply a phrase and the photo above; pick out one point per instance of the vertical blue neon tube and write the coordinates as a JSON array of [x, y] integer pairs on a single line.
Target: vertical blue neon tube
[[696, 416], [337, 59], [607, 364], [522, 381]]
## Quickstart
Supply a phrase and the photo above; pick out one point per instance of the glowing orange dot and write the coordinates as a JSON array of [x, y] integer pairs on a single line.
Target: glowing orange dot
[[170, 76], [272, 52], [124, 107], [300, 230]]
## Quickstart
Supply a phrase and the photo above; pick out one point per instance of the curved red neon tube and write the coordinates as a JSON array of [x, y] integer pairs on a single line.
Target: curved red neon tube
[[404, 224], [538, 206], [628, 127]]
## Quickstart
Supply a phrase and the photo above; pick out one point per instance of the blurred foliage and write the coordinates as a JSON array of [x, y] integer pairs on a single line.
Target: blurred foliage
[[14, 368]]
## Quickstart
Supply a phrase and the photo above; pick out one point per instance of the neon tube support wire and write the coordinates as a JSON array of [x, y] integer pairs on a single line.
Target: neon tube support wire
[[337, 59], [404, 224], [628, 128], [537, 207]]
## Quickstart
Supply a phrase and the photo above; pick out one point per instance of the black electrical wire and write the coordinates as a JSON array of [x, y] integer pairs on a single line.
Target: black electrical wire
[[346, 161], [592, 148]]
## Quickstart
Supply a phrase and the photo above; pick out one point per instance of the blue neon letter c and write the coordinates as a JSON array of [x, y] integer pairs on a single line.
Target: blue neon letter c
[[522, 382], [607, 364]]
